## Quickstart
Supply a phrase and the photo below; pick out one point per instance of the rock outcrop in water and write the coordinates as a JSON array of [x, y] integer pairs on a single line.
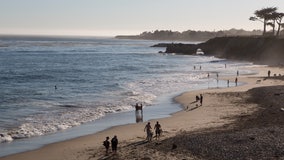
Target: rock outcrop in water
[[263, 50]]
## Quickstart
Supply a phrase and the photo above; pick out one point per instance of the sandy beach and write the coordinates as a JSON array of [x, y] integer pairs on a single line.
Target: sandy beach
[[197, 132]]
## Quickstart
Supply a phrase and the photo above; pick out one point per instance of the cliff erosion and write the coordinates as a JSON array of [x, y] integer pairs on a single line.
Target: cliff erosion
[[262, 50]]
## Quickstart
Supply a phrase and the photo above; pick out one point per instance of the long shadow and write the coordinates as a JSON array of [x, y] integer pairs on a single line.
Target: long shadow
[[193, 102], [106, 157], [137, 143], [193, 108]]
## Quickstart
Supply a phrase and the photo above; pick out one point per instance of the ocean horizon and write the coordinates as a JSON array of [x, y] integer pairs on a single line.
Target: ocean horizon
[[53, 88]]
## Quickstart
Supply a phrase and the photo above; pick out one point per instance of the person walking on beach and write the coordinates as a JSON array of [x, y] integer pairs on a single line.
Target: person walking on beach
[[269, 73], [158, 130], [236, 81], [201, 99], [114, 143], [106, 144], [148, 130], [237, 73]]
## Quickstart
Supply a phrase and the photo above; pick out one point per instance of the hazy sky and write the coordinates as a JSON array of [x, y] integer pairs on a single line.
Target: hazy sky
[[114, 17]]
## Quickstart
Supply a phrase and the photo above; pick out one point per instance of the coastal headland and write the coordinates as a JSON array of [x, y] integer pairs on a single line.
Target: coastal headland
[[260, 50]]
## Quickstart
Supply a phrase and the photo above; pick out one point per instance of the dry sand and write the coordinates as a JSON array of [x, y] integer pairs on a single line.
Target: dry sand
[[219, 111]]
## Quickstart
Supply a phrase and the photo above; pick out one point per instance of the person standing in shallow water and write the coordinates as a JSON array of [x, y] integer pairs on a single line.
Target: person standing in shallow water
[[114, 143]]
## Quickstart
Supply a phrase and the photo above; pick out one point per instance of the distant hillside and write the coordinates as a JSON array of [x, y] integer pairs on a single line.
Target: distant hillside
[[264, 50], [189, 35]]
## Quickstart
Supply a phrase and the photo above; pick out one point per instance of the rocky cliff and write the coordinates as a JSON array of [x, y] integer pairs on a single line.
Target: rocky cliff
[[262, 50]]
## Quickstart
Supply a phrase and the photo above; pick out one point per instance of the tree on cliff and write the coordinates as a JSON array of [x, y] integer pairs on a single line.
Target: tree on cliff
[[264, 15], [276, 18], [279, 17]]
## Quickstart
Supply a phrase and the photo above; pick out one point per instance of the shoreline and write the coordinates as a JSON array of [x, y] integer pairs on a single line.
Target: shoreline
[[204, 117], [109, 121]]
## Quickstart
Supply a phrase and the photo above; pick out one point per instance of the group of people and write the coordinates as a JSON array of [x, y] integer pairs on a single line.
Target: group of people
[[149, 133], [114, 143], [138, 107], [194, 67]]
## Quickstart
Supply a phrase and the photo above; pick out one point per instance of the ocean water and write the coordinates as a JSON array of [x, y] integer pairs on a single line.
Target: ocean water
[[52, 84]]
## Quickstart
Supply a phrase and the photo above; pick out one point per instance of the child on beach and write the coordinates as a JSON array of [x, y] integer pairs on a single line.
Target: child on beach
[[106, 144]]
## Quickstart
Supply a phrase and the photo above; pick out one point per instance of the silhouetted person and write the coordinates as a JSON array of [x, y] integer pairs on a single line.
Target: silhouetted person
[[196, 98], [114, 143], [137, 107], [200, 67], [106, 144], [228, 83], [55, 87], [269, 73], [201, 99], [236, 81], [148, 130], [217, 75], [158, 130], [174, 146], [237, 73]]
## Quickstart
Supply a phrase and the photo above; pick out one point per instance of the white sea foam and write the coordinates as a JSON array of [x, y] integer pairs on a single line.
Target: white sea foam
[[5, 138], [49, 122]]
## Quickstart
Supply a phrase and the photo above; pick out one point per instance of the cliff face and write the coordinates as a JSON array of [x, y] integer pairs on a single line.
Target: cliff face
[[264, 50]]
